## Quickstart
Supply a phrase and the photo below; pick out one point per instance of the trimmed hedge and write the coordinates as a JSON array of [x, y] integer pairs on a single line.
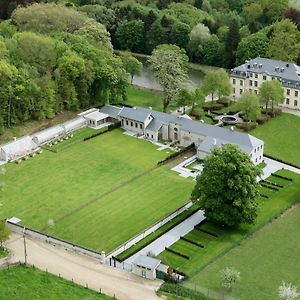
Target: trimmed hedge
[[273, 183], [183, 291], [282, 177], [212, 106], [264, 196], [177, 253], [262, 119], [142, 246], [109, 128], [177, 154], [269, 187], [191, 242], [197, 227], [247, 126]]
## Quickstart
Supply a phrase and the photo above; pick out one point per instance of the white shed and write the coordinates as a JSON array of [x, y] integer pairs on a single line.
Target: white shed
[[74, 124], [18, 148], [96, 118], [145, 266], [48, 135]]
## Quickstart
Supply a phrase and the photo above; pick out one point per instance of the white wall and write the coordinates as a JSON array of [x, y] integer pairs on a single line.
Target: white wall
[[150, 274], [133, 128]]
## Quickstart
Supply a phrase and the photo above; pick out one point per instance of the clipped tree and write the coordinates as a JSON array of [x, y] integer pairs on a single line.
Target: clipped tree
[[249, 104], [287, 291], [271, 92], [217, 83], [169, 64], [229, 277], [227, 189], [132, 65]]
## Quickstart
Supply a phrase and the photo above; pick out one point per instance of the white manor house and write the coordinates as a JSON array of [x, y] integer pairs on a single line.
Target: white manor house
[[141, 122], [249, 77]]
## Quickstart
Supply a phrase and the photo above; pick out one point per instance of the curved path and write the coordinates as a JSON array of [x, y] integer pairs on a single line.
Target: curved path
[[82, 269]]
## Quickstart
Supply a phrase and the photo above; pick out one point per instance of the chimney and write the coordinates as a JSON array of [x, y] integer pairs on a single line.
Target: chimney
[[287, 65], [277, 69], [150, 107], [231, 128], [260, 66], [215, 142], [282, 69]]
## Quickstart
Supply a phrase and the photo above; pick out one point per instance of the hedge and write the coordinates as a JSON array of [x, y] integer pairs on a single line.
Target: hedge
[[247, 126], [191, 242], [269, 187], [177, 253], [177, 154], [282, 177], [212, 106], [273, 183], [197, 227], [182, 291]]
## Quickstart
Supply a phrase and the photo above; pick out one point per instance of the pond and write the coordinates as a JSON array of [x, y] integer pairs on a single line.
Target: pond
[[147, 80]]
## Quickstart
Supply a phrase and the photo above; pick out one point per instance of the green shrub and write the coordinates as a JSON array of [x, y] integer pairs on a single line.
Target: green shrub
[[212, 106], [247, 126], [262, 119], [225, 101]]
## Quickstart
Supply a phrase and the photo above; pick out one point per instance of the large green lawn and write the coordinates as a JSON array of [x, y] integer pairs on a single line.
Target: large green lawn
[[24, 283], [96, 192], [282, 137], [264, 260], [226, 239]]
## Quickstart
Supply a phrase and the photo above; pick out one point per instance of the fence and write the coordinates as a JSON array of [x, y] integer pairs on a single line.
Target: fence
[[149, 230], [52, 240]]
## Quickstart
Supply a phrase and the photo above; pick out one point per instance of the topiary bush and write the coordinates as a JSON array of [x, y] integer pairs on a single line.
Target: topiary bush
[[247, 126], [263, 119]]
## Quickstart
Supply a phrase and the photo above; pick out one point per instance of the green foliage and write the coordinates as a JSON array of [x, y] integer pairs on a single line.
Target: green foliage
[[4, 233], [217, 82], [271, 91], [249, 104], [227, 189], [169, 64], [132, 65]]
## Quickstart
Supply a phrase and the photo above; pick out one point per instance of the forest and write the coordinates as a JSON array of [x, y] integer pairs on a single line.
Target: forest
[[59, 56]]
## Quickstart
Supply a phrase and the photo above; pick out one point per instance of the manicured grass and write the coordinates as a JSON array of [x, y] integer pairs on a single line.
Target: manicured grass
[[281, 137], [87, 192], [26, 283], [78, 136], [165, 228], [264, 260], [228, 238], [145, 98]]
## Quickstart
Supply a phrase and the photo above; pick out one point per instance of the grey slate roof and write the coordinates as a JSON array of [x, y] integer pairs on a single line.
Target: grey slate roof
[[135, 114], [147, 262], [154, 125], [111, 110], [286, 71], [232, 137]]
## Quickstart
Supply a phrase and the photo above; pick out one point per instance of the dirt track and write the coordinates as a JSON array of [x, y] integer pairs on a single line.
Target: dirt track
[[82, 269]]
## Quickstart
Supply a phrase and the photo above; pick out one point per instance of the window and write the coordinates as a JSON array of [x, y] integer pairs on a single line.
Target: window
[[152, 136], [255, 91], [126, 122], [288, 92], [241, 91], [136, 125], [295, 103], [287, 101], [233, 80], [175, 129], [251, 75], [256, 75], [233, 90], [251, 82], [296, 93], [264, 77], [255, 83], [256, 160], [131, 124], [241, 82], [141, 126], [147, 134], [273, 78]]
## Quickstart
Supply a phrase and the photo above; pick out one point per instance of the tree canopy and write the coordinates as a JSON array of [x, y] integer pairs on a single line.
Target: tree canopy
[[227, 189]]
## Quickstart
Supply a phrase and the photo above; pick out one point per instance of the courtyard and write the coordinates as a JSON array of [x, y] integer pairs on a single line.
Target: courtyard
[[97, 193]]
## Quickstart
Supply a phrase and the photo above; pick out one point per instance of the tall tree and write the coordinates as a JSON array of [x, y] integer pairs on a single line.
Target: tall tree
[[169, 64], [232, 41], [271, 92], [249, 104], [132, 65], [217, 83], [227, 189]]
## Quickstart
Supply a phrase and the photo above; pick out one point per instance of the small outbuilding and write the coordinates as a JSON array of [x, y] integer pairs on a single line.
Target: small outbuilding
[[145, 266], [48, 135], [74, 124], [96, 118]]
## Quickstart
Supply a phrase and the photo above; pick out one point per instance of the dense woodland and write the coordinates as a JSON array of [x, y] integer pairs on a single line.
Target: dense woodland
[[60, 57]]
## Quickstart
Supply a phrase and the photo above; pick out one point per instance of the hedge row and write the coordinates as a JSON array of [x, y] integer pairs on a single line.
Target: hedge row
[[282, 161], [191, 242], [264, 196], [282, 177], [273, 183], [142, 246], [269, 187], [177, 154], [212, 106], [183, 291], [109, 128], [197, 227], [177, 253]]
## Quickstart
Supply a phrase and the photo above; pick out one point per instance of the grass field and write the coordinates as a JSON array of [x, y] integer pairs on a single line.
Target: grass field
[[264, 260], [282, 137], [24, 283], [145, 98], [214, 246], [96, 193]]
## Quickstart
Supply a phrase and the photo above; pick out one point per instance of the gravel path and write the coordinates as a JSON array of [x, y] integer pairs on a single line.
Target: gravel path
[[82, 269]]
